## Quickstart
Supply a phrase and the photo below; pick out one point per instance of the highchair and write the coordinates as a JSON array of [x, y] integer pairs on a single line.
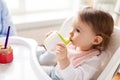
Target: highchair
[[66, 27]]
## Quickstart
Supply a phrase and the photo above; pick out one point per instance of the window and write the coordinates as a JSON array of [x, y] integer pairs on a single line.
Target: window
[[15, 7], [28, 6], [39, 13]]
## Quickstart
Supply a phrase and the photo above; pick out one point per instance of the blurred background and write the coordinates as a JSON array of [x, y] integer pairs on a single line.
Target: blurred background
[[34, 18]]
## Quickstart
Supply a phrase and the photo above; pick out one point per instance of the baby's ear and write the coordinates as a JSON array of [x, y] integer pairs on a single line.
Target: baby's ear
[[97, 40]]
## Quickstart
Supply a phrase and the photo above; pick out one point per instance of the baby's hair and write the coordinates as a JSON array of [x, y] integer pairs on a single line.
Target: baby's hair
[[101, 22]]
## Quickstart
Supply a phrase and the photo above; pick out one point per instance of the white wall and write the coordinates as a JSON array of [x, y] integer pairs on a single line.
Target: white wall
[[37, 33]]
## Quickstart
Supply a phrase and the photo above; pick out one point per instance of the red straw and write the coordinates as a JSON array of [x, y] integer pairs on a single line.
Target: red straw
[[6, 41]]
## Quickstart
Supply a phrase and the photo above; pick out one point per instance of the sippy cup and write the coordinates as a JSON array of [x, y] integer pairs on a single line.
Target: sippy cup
[[6, 54], [52, 39]]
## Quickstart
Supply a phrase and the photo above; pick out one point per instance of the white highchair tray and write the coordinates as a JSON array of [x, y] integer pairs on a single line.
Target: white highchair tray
[[20, 68]]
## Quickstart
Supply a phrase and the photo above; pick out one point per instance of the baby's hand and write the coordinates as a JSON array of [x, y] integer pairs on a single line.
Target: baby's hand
[[61, 51], [48, 33]]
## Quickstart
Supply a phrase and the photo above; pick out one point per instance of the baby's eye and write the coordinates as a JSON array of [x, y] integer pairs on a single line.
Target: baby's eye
[[77, 30]]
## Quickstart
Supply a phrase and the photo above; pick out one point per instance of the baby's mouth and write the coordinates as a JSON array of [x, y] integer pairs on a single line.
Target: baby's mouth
[[70, 40]]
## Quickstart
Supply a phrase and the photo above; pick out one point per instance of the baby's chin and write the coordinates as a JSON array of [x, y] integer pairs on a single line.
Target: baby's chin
[[71, 43]]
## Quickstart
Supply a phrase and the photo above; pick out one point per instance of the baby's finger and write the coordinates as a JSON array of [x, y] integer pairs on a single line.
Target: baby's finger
[[47, 34], [61, 44]]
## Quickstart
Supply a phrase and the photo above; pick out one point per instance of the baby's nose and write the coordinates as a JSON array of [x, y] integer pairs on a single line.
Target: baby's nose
[[71, 33]]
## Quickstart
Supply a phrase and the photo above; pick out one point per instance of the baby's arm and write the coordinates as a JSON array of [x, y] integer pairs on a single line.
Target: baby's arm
[[61, 53], [84, 72]]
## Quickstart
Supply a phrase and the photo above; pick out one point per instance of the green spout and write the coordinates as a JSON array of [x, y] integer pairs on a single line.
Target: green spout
[[65, 40]]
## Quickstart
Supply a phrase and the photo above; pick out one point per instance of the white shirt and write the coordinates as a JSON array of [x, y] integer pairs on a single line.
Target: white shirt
[[83, 72]]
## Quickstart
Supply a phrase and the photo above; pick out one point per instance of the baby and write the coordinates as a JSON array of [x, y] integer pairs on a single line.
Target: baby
[[90, 35]]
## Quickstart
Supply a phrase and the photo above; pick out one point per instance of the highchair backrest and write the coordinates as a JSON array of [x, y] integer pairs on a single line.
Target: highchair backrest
[[107, 54]]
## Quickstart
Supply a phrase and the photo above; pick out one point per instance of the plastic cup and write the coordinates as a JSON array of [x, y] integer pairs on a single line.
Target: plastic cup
[[6, 54], [51, 41]]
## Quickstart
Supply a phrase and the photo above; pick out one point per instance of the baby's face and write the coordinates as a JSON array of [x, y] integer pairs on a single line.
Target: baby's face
[[82, 34]]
